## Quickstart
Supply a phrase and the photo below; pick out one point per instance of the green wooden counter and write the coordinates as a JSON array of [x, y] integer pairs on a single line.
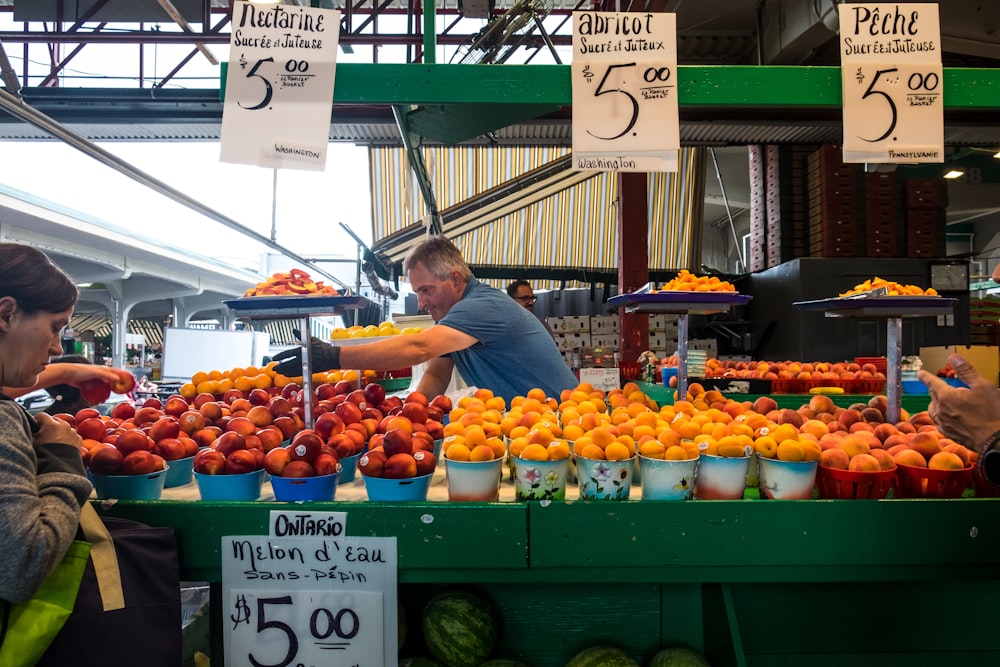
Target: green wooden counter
[[751, 582]]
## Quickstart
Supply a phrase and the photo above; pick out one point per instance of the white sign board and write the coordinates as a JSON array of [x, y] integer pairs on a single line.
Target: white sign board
[[891, 75], [624, 77], [604, 379], [279, 87], [302, 601]]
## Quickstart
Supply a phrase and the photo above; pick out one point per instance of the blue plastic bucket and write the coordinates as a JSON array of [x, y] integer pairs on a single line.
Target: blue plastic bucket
[[291, 489], [348, 468], [179, 472], [130, 487], [245, 486], [668, 372], [411, 488]]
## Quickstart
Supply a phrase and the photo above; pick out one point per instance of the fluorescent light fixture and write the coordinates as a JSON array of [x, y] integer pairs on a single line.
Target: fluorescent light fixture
[[954, 173], [997, 155], [85, 284]]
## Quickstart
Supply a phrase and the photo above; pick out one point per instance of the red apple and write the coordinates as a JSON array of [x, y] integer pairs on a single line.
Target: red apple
[[152, 403], [259, 397], [206, 436], [270, 437], [290, 390], [344, 387], [190, 446], [358, 398], [175, 406], [443, 402], [279, 406], [415, 412], [93, 428], [416, 397], [286, 425], [241, 461], [147, 414], [191, 421], [343, 445], [85, 413], [325, 391]]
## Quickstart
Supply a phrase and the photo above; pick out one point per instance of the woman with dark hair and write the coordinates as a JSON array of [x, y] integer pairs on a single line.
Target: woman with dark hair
[[42, 480]]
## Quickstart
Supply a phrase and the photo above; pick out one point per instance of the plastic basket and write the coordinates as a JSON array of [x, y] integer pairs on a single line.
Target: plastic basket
[[869, 386], [880, 363], [914, 482], [913, 387], [130, 487], [348, 468], [983, 487], [179, 472], [245, 486], [385, 489], [784, 385], [291, 489], [834, 483]]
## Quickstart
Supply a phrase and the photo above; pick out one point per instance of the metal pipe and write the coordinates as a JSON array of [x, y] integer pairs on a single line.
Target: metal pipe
[[25, 112]]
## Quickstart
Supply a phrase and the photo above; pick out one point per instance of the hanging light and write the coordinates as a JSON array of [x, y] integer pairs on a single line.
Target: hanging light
[[954, 173]]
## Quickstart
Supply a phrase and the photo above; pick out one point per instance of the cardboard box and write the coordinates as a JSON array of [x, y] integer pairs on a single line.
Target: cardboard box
[[597, 357], [735, 385], [571, 324], [569, 341], [605, 324], [984, 358], [608, 340]]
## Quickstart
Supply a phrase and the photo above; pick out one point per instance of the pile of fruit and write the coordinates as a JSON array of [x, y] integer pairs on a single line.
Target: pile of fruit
[[295, 283], [893, 288], [685, 281], [387, 328]]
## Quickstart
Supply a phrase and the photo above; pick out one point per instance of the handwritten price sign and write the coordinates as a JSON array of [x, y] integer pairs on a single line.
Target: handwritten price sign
[[891, 73], [279, 86], [625, 114], [300, 602], [300, 628]]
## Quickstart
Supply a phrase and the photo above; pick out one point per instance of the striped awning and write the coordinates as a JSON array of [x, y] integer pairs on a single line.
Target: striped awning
[[525, 207]]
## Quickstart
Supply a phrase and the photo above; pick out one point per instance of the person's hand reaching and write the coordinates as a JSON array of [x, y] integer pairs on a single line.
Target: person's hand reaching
[[968, 416], [322, 357]]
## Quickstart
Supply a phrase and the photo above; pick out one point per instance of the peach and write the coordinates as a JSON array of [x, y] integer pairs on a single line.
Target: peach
[[764, 405], [820, 403], [849, 416], [910, 457], [814, 427], [864, 463], [854, 445], [925, 443], [961, 451], [884, 459], [834, 457], [946, 461]]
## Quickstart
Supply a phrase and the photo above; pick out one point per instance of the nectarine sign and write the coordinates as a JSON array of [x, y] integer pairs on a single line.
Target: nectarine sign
[[279, 88]]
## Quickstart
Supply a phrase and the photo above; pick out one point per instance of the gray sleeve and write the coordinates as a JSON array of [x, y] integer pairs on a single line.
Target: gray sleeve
[[39, 512]]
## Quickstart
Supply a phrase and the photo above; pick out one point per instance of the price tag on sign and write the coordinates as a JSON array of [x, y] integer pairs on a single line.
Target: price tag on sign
[[305, 628], [891, 75], [624, 77], [279, 86]]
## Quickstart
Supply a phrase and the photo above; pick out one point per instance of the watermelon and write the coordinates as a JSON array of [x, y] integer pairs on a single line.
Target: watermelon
[[678, 656], [460, 628], [503, 662], [602, 656]]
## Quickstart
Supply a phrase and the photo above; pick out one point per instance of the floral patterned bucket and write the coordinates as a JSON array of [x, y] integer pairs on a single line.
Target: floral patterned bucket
[[604, 480], [539, 480]]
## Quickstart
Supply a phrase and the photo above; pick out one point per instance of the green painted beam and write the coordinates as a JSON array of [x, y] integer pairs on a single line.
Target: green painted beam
[[698, 86]]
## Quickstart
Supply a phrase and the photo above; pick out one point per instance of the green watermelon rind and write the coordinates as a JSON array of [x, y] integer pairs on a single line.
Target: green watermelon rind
[[678, 656], [602, 656], [460, 628], [503, 662]]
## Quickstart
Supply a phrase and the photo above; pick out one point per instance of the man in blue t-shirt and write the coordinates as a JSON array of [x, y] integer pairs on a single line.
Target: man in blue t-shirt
[[492, 341]]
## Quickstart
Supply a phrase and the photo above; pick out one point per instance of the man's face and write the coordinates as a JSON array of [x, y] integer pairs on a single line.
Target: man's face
[[433, 295], [526, 297]]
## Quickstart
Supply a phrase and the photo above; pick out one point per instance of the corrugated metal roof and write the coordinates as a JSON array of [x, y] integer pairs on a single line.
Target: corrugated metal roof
[[572, 227]]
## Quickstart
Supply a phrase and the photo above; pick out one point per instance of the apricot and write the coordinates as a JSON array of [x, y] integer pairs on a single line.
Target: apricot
[[790, 450], [864, 463], [910, 457]]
